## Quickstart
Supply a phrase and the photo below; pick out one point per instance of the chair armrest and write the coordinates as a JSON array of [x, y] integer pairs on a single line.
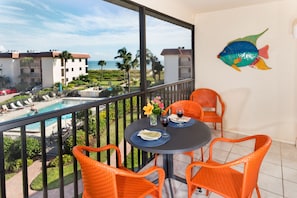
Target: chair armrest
[[214, 141], [145, 173], [222, 105], [151, 170], [103, 148], [212, 165], [165, 111]]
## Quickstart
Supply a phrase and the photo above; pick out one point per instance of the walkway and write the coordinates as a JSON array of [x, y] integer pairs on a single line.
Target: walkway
[[33, 171]]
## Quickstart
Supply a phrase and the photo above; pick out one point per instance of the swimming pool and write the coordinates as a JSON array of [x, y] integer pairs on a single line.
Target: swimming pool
[[59, 105]]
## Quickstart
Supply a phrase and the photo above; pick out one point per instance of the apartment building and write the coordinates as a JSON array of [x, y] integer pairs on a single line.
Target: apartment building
[[178, 64], [45, 68]]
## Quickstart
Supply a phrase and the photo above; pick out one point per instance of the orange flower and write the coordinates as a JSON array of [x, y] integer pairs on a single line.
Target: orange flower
[[148, 109], [155, 106]]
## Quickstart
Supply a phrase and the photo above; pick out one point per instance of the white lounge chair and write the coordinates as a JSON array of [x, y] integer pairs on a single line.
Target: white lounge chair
[[19, 104], [30, 100], [27, 103], [45, 98], [13, 106], [6, 109], [48, 97]]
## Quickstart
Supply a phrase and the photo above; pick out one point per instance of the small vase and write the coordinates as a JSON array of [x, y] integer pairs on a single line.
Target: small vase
[[153, 119]]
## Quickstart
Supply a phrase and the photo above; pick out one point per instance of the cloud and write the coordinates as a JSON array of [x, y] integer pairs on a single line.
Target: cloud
[[2, 48], [94, 27]]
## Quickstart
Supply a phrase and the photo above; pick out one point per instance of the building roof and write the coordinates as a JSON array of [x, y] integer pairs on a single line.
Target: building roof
[[41, 54], [177, 51]]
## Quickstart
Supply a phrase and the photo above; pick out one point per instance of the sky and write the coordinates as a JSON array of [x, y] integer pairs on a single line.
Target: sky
[[84, 26]]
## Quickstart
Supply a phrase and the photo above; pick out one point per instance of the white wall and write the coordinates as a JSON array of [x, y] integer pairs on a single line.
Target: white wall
[[48, 72], [10, 68], [175, 9], [257, 101], [171, 68]]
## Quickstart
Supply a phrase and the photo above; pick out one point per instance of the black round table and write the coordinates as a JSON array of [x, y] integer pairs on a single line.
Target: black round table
[[182, 139]]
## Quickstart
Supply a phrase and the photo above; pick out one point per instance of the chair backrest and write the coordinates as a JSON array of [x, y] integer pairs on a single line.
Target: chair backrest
[[207, 98], [191, 109], [253, 163], [98, 179]]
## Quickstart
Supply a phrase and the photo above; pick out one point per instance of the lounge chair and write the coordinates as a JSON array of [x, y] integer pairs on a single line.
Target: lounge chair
[[19, 104], [48, 97], [13, 106], [45, 98], [30, 100], [6, 109], [27, 103]]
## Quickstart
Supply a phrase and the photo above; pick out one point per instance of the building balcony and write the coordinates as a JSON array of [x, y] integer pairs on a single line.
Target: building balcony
[[111, 116]]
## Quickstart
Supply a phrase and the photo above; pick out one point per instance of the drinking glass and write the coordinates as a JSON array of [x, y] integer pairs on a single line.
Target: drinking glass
[[180, 113], [164, 121]]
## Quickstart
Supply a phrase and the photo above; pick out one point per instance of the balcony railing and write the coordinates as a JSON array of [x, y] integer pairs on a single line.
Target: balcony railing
[[111, 116]]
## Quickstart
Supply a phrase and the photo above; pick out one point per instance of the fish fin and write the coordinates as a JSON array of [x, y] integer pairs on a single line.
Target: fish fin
[[235, 67], [259, 63], [252, 38], [263, 52], [236, 61]]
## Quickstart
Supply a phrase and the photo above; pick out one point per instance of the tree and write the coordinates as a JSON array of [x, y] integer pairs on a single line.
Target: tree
[[127, 63], [102, 63], [64, 56], [156, 64], [156, 67]]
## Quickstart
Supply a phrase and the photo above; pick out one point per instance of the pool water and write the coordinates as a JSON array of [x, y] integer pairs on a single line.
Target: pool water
[[53, 107]]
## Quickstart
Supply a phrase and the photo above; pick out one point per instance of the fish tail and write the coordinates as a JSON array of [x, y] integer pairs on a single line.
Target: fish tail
[[263, 52], [259, 63]]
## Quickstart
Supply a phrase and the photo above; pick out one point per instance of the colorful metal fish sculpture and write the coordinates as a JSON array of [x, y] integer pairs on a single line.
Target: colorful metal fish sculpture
[[243, 52]]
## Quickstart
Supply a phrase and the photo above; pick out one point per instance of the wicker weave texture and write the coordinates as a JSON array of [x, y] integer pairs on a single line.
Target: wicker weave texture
[[223, 179], [212, 104], [102, 180]]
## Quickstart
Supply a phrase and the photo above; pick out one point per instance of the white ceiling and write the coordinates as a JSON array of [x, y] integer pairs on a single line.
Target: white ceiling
[[199, 6]]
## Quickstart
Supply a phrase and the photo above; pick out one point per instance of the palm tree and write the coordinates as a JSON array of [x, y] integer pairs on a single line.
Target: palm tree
[[64, 56], [156, 67], [102, 63], [127, 63], [156, 64], [148, 55]]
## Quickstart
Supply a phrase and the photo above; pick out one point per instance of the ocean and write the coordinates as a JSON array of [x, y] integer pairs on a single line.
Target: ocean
[[110, 65]]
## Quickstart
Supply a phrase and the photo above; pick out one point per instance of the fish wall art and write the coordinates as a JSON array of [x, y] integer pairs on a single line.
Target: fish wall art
[[243, 52]]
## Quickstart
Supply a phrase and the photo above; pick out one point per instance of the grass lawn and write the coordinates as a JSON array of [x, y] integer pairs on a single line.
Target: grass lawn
[[53, 172]]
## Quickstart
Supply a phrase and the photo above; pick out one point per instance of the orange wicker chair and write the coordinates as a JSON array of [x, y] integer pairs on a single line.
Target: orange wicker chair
[[102, 180], [223, 179], [210, 101], [191, 109]]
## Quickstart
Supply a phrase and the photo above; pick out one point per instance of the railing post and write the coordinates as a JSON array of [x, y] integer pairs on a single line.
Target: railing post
[[24, 161], [2, 171]]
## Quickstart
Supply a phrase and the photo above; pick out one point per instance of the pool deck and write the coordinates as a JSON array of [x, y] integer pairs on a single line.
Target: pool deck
[[27, 109], [10, 115]]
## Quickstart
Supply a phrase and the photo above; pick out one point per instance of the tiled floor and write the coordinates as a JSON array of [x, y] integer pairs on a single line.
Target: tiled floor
[[277, 178]]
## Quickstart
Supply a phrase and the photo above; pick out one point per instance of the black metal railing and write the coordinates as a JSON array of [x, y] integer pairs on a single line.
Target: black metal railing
[[109, 116]]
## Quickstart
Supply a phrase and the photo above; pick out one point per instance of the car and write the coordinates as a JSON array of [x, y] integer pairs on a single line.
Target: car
[[6, 91], [36, 88]]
